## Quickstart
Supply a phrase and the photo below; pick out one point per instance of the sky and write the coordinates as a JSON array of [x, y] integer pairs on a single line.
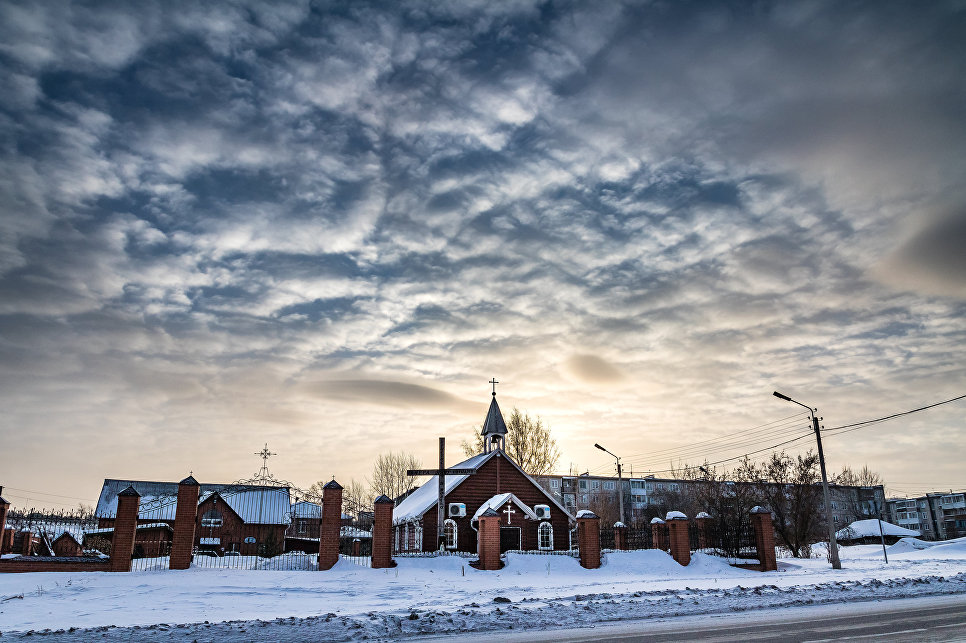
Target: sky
[[325, 227]]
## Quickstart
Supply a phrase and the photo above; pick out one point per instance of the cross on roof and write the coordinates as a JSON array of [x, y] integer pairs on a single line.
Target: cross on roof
[[509, 514], [494, 383]]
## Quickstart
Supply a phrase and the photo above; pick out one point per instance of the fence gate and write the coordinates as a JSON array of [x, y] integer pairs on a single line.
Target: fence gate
[[247, 526], [355, 532], [155, 531]]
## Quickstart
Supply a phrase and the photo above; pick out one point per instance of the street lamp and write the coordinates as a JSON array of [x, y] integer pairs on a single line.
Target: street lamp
[[833, 546], [620, 483]]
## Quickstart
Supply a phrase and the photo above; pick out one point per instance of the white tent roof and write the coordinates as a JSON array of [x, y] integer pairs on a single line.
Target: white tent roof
[[870, 528]]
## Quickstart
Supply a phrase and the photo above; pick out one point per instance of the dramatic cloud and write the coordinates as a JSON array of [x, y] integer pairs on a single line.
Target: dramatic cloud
[[327, 225]]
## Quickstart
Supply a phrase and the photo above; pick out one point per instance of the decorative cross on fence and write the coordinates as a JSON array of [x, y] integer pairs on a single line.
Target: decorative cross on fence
[[441, 472]]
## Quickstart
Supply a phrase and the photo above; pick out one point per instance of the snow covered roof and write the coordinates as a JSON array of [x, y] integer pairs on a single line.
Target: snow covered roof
[[253, 503], [870, 528], [501, 499], [419, 501], [354, 532]]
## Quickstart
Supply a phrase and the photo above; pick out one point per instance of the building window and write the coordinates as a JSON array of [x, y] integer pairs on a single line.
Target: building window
[[609, 485], [584, 500], [212, 519], [545, 536], [554, 484], [583, 485], [449, 530], [595, 485]]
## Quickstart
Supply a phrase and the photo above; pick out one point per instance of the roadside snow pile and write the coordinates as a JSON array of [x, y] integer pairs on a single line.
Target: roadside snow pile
[[445, 595], [870, 528]]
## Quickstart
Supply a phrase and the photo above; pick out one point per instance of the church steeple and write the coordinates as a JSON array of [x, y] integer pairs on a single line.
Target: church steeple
[[494, 428]]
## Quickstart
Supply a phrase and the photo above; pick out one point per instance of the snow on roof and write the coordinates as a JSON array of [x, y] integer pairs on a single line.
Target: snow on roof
[[253, 503], [354, 532], [420, 500], [501, 499], [869, 528], [416, 503], [674, 515]]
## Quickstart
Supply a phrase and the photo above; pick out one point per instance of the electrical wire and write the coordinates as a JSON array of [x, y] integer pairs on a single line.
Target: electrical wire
[[859, 425]]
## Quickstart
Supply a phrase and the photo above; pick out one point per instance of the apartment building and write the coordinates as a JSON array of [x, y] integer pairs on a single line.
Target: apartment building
[[937, 516]]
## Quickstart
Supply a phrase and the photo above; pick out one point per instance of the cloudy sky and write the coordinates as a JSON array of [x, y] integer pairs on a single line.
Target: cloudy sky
[[325, 226]]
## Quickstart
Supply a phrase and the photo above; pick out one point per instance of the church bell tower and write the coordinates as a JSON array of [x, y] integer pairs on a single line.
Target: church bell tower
[[494, 428]]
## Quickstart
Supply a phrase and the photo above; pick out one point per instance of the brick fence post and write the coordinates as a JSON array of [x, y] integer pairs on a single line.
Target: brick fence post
[[658, 534], [677, 532], [765, 539], [588, 539], [488, 541], [620, 536], [185, 522], [25, 544], [331, 525], [4, 508], [382, 534], [125, 528], [703, 521]]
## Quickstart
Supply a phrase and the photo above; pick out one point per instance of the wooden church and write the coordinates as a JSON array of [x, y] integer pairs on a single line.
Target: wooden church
[[530, 518]]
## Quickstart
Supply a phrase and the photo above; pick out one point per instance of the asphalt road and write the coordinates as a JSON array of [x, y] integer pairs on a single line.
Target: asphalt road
[[914, 619]]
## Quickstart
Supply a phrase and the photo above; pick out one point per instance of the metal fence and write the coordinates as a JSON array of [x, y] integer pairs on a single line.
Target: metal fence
[[52, 533]]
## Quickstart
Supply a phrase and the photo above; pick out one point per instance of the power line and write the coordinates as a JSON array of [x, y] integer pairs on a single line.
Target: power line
[[859, 425]]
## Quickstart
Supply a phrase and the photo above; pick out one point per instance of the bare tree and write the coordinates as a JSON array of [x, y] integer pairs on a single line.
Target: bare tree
[[389, 475], [355, 494], [788, 487], [528, 442]]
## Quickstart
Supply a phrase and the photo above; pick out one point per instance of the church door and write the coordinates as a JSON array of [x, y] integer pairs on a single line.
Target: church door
[[509, 538]]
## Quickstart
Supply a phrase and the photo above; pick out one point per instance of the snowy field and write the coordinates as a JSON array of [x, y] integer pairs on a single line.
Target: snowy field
[[439, 595]]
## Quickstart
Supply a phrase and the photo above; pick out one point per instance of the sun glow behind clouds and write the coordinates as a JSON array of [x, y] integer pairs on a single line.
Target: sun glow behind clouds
[[327, 228]]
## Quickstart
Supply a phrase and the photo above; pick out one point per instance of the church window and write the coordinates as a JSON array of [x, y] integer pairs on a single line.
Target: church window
[[419, 538], [545, 536], [406, 537], [449, 530], [398, 530], [212, 518]]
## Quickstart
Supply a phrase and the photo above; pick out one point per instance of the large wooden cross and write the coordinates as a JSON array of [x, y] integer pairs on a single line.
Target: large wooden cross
[[442, 472]]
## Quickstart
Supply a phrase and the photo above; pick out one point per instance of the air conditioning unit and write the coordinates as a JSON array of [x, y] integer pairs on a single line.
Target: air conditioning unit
[[542, 511], [457, 510]]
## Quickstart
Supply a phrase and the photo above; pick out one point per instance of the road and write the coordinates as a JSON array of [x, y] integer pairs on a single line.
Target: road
[[911, 619]]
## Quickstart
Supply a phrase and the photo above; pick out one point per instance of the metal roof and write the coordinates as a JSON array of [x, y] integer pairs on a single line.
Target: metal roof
[[494, 424]]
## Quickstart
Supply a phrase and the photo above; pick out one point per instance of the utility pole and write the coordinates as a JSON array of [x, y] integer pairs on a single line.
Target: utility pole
[[832, 545]]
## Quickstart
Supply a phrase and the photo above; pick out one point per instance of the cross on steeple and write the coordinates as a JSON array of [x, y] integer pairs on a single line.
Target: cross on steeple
[[494, 383]]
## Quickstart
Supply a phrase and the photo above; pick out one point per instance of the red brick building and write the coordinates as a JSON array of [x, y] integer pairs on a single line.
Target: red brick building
[[530, 518]]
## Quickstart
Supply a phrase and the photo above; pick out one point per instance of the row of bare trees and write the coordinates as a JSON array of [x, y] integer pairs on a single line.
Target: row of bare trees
[[786, 485]]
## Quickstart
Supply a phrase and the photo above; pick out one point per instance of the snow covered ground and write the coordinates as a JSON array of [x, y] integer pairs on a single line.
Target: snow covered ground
[[438, 595]]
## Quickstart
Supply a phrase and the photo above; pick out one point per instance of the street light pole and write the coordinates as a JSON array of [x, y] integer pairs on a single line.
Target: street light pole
[[620, 482], [833, 546]]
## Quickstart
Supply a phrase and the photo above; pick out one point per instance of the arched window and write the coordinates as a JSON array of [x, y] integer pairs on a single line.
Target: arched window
[[545, 536], [419, 538], [449, 530]]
